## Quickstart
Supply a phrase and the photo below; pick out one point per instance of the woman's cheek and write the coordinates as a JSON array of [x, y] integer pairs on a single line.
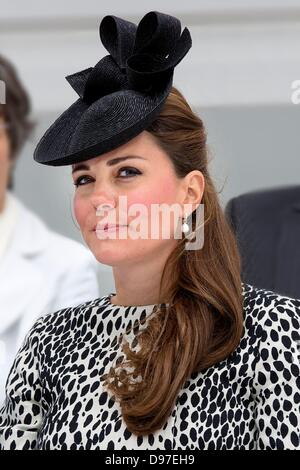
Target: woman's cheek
[[162, 193], [80, 210]]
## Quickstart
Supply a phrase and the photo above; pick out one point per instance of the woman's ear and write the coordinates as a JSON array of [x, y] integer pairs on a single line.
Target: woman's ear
[[194, 188]]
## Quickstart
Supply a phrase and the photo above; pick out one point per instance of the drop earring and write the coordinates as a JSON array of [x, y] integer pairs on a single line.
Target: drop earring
[[185, 226]]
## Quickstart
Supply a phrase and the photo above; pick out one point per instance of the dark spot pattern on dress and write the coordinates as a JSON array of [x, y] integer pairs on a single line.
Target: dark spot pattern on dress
[[56, 399]]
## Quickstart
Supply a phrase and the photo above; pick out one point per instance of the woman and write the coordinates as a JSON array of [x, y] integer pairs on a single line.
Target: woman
[[183, 355], [33, 258]]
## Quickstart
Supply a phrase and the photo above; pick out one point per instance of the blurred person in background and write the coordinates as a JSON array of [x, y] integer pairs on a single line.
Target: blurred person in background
[[40, 270], [266, 223]]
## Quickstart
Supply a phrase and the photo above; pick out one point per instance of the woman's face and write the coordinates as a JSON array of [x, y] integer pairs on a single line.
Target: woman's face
[[5, 161], [147, 180]]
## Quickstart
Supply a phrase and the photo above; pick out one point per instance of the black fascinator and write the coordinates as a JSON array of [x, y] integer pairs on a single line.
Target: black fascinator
[[122, 94]]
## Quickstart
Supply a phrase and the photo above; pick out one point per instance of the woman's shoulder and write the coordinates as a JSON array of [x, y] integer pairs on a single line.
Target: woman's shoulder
[[261, 303], [268, 313], [65, 320]]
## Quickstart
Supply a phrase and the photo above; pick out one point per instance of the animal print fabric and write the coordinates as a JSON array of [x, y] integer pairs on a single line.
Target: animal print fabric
[[55, 398]]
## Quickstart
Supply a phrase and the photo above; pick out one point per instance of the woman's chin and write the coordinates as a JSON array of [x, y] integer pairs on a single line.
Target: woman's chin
[[110, 255]]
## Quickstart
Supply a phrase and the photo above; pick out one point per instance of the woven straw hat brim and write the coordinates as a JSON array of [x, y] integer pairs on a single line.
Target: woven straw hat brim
[[83, 132]]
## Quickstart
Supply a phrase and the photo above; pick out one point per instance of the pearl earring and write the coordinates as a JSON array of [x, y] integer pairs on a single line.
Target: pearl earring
[[185, 226]]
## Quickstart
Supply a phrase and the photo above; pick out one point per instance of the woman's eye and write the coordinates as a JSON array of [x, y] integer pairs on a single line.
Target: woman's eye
[[134, 172], [78, 181]]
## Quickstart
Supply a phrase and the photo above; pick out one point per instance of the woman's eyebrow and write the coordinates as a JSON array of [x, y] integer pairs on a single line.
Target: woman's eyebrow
[[113, 161]]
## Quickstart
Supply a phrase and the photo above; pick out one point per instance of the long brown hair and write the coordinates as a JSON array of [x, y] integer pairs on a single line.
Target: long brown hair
[[203, 322]]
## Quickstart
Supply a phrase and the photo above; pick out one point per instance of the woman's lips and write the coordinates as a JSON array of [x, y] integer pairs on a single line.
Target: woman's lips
[[108, 228]]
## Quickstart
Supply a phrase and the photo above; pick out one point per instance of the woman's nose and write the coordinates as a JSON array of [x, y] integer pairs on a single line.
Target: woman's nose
[[102, 204], [103, 199]]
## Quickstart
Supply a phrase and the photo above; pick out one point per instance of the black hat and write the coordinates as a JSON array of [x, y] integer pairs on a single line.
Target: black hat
[[122, 94]]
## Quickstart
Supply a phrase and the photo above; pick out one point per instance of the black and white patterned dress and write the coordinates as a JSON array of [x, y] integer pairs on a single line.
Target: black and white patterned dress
[[251, 400]]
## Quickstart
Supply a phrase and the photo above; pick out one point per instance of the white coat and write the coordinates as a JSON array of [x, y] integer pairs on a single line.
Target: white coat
[[41, 272]]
